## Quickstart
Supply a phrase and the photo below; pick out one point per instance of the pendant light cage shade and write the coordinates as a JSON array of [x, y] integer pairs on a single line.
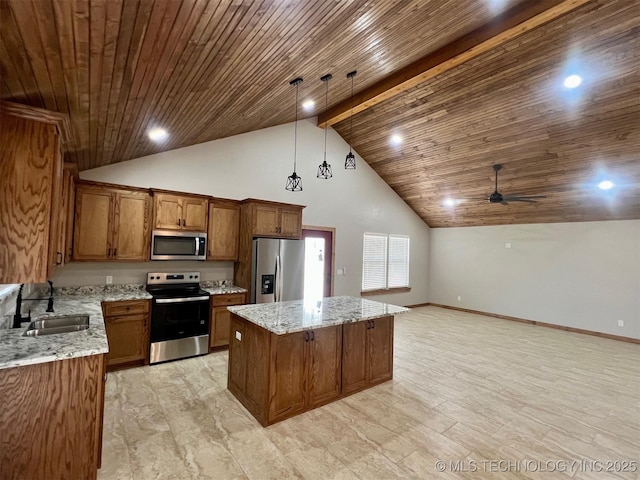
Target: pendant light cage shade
[[294, 181], [350, 161], [324, 169]]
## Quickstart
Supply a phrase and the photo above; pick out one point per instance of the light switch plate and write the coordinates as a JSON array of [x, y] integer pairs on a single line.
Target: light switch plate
[[238, 336], [109, 279]]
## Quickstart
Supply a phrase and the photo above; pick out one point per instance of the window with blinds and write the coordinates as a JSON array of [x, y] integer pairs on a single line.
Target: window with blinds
[[385, 261]]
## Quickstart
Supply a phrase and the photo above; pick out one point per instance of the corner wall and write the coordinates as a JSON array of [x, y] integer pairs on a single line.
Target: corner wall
[[581, 275], [256, 165]]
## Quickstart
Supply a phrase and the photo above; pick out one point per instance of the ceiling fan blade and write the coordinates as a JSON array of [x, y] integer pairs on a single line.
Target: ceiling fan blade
[[504, 202], [524, 197], [521, 199]]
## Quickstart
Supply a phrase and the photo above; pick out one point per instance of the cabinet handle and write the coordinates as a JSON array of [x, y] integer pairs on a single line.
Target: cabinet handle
[[313, 335], [368, 324], [306, 336], [184, 223], [109, 252], [373, 324], [115, 250], [104, 379], [59, 258]]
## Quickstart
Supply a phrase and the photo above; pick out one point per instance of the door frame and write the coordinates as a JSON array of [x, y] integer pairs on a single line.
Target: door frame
[[332, 230]]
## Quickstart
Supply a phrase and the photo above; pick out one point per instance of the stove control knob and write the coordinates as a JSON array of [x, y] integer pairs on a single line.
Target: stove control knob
[[190, 276]]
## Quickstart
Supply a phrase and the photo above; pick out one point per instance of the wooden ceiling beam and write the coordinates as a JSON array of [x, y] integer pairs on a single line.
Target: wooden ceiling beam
[[520, 19]]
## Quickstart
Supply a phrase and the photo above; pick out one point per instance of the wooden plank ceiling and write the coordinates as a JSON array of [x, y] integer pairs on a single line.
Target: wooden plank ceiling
[[207, 69]]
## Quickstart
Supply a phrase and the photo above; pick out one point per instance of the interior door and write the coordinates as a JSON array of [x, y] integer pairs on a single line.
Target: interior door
[[326, 255]]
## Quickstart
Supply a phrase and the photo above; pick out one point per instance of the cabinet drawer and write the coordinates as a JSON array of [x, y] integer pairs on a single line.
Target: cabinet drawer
[[227, 299], [126, 308]]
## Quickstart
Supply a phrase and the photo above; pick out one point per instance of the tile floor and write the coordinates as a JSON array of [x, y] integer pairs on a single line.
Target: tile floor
[[503, 399]]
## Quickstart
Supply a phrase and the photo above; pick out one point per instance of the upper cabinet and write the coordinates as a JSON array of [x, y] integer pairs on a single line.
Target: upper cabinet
[[180, 212], [31, 182], [224, 229], [271, 219], [111, 223]]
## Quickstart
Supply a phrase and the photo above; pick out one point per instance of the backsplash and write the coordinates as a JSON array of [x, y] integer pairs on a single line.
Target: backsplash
[[8, 299], [77, 274]]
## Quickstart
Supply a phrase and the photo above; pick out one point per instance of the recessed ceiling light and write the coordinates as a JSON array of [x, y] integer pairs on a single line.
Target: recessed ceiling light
[[396, 139], [605, 185], [449, 202], [158, 134], [308, 105], [572, 81]]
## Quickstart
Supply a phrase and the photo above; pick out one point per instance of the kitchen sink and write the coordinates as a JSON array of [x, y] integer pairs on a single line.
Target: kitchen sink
[[61, 324]]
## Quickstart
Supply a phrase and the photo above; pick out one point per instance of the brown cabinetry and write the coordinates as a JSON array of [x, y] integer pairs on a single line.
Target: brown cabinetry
[[31, 185], [221, 318], [275, 220], [305, 371], [367, 353], [223, 231], [127, 325], [279, 376], [51, 419], [111, 223], [180, 212]]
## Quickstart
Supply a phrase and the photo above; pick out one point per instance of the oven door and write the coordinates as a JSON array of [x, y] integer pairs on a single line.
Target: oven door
[[175, 318]]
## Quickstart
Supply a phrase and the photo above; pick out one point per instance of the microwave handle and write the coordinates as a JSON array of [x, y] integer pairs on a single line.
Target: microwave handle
[[197, 250]]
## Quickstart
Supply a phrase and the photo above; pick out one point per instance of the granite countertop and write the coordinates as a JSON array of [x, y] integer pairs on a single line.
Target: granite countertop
[[296, 316], [16, 350], [223, 290]]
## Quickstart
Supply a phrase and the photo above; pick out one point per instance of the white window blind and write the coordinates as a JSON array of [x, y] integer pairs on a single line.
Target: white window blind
[[385, 261], [398, 271], [374, 264]]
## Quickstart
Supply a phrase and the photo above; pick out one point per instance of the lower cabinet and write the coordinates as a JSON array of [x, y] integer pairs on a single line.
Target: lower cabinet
[[305, 371], [51, 419], [367, 354], [127, 325], [221, 318]]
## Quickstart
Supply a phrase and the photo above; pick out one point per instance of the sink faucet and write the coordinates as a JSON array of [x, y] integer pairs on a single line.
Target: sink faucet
[[50, 302], [18, 318]]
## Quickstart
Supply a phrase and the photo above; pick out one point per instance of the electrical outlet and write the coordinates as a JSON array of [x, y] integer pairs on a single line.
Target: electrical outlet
[[238, 336], [621, 323], [109, 279], [507, 245], [459, 298], [340, 271]]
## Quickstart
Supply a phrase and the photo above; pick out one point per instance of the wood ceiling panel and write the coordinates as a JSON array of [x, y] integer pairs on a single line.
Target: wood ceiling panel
[[208, 69], [509, 107]]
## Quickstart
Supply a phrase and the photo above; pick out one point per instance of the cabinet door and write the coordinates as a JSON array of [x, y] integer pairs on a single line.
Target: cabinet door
[[194, 214], [220, 325], [265, 220], [131, 233], [223, 232], [287, 377], [56, 234], [69, 222], [94, 212], [168, 211], [291, 223], [128, 337], [324, 364], [380, 350], [354, 356]]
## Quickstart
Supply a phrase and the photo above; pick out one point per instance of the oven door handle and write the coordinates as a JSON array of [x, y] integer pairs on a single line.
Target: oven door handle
[[181, 300]]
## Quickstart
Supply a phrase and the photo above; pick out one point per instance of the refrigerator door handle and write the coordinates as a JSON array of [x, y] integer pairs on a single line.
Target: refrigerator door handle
[[276, 281], [280, 278]]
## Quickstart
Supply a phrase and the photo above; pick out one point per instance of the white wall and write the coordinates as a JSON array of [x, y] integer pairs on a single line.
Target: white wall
[[256, 164], [582, 275]]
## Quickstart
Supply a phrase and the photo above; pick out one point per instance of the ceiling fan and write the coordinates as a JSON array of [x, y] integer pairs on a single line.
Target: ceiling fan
[[497, 197]]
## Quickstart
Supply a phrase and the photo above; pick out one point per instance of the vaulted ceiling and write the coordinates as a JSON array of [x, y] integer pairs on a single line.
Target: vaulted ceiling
[[211, 69]]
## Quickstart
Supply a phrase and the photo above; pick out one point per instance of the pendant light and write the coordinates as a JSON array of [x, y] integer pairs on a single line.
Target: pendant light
[[350, 161], [324, 169], [294, 182]]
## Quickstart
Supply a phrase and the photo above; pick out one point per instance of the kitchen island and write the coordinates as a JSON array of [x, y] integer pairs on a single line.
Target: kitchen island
[[289, 357]]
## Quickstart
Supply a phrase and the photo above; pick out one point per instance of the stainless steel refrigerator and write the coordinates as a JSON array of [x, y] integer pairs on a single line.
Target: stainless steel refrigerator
[[277, 273]]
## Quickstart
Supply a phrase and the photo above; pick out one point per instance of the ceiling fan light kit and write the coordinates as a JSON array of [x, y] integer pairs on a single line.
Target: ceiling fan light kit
[[294, 181], [497, 197]]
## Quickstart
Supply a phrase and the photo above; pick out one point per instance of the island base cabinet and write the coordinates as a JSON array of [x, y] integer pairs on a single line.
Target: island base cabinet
[[367, 355], [51, 419]]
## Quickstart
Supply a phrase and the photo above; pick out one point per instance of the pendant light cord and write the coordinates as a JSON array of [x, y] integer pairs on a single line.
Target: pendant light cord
[[326, 105], [295, 132], [351, 114]]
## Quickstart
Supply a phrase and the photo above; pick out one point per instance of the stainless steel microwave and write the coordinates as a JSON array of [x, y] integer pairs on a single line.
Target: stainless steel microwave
[[174, 245]]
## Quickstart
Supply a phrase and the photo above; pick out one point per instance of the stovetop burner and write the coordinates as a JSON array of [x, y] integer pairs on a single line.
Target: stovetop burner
[[167, 285]]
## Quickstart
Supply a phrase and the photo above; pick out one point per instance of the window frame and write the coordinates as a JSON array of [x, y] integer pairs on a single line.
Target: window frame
[[383, 289]]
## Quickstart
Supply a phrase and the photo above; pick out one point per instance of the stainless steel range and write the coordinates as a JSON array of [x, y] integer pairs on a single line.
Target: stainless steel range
[[179, 316]]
